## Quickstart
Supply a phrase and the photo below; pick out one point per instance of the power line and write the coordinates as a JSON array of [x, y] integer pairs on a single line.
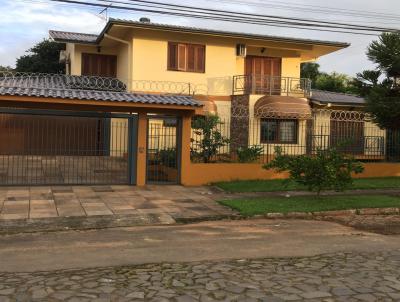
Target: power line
[[235, 17], [312, 8], [328, 12], [252, 15]]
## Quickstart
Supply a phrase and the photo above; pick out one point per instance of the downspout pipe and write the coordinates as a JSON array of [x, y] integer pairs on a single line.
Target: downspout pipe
[[129, 56]]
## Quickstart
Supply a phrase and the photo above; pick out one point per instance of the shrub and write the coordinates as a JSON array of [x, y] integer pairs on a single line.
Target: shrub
[[167, 157], [208, 137], [249, 154], [326, 170]]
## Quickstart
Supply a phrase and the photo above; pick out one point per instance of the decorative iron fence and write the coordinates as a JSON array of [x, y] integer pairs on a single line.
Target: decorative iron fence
[[271, 85], [60, 81], [251, 139]]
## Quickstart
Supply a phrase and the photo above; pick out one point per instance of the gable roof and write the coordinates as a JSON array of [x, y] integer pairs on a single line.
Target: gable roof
[[324, 97], [84, 88], [62, 36], [66, 36]]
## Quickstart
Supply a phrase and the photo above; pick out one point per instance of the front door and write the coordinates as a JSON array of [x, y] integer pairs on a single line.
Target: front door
[[263, 75]]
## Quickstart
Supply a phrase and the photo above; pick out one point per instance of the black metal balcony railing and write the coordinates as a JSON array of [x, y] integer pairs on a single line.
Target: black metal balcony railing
[[271, 85]]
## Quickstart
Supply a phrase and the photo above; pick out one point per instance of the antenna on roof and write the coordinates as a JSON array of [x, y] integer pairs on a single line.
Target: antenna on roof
[[105, 12]]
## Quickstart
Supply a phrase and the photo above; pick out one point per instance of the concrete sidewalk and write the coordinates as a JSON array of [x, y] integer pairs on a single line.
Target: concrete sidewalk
[[184, 243], [25, 209]]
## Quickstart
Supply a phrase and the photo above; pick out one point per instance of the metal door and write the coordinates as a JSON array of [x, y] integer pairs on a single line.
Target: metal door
[[163, 150]]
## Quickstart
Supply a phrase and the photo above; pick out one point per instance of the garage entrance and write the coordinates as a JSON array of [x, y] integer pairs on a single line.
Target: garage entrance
[[43, 147]]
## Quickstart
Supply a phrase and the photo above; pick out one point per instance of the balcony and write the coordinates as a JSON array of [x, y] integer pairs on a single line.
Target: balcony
[[271, 85]]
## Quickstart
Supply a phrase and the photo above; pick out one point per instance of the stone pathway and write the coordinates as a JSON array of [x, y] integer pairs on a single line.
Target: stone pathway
[[70, 205], [335, 277]]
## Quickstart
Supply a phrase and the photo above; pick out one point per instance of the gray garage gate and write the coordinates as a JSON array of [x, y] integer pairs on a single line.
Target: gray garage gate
[[42, 147]]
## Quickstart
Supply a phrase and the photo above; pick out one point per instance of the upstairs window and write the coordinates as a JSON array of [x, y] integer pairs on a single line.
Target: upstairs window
[[186, 57]]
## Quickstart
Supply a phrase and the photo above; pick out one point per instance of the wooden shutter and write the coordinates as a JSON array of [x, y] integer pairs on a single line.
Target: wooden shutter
[[200, 58], [172, 56], [186, 57], [276, 67], [182, 57], [191, 57]]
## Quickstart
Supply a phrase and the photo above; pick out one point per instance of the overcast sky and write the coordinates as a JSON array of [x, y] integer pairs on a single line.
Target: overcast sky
[[25, 22]]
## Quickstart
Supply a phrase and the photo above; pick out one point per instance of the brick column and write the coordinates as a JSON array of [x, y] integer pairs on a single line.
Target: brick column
[[141, 150], [239, 122], [185, 147]]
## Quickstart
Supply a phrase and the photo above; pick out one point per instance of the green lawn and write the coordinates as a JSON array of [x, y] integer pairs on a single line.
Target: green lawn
[[274, 185], [249, 207]]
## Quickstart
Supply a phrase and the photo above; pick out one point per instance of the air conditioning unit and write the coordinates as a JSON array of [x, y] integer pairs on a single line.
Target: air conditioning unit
[[241, 50], [64, 58]]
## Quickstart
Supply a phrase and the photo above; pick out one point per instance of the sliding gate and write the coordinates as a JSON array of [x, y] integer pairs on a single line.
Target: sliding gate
[[56, 148]]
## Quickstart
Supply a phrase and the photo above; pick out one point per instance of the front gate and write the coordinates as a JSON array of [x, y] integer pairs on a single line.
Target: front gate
[[163, 150], [40, 147]]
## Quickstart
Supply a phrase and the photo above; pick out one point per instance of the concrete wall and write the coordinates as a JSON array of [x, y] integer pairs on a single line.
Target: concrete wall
[[203, 174]]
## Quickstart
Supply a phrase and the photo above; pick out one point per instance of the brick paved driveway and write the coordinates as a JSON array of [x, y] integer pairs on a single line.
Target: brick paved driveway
[[149, 205]]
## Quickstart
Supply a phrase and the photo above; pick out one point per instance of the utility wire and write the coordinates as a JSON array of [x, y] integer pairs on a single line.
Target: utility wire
[[252, 15], [311, 8], [238, 19]]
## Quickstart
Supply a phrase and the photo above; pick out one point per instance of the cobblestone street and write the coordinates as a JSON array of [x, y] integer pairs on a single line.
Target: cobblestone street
[[333, 277]]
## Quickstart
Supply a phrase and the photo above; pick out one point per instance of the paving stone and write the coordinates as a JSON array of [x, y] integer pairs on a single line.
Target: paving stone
[[136, 295], [315, 295], [327, 278]]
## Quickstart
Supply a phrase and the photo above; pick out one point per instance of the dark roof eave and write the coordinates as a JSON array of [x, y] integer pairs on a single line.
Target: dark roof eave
[[156, 26], [319, 102], [112, 22]]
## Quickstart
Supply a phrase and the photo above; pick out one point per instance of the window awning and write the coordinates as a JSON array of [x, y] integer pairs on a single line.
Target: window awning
[[287, 107]]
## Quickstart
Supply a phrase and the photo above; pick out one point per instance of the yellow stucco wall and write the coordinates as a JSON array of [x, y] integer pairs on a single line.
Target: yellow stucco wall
[[203, 174], [149, 59]]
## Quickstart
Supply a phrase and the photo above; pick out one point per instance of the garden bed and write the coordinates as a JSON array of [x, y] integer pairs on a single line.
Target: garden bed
[[309, 204]]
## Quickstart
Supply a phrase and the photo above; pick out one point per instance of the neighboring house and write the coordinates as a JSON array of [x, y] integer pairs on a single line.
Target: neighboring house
[[340, 119], [122, 113]]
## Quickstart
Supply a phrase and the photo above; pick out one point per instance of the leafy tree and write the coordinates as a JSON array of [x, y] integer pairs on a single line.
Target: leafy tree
[[43, 57], [385, 52], [326, 170], [210, 138], [383, 96], [334, 82], [364, 81], [311, 71], [6, 68]]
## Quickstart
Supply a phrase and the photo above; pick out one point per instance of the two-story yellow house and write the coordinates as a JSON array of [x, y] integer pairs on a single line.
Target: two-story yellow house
[[123, 112], [229, 72]]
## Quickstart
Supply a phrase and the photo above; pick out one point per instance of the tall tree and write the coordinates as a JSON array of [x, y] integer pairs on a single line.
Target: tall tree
[[43, 57], [383, 97], [6, 68], [385, 52], [335, 82], [310, 71]]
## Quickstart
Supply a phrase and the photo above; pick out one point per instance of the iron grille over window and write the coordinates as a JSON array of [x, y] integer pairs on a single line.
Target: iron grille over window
[[280, 131], [186, 57]]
